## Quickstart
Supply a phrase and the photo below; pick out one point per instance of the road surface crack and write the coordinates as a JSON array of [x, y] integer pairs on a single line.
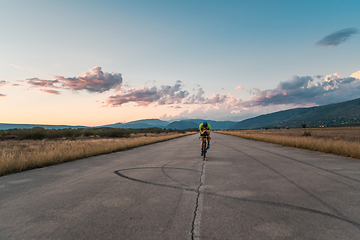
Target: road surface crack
[[195, 227]]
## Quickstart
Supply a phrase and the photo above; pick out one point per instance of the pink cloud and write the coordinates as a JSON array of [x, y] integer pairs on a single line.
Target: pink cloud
[[3, 82], [176, 106], [165, 95], [215, 99], [238, 87], [93, 81], [36, 82], [200, 99], [13, 65], [51, 91]]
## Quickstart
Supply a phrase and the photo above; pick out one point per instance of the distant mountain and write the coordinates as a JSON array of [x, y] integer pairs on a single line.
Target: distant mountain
[[194, 123], [115, 125], [144, 123], [332, 114], [5, 126], [215, 125], [337, 113], [183, 124]]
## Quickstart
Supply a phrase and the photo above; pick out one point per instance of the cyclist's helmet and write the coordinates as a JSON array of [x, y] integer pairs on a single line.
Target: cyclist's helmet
[[205, 124]]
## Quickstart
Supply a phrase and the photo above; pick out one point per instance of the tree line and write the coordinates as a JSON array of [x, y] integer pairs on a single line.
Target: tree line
[[39, 133]]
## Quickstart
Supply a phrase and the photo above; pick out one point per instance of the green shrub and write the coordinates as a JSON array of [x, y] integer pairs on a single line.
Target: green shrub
[[39, 133], [36, 133], [113, 133], [54, 133], [87, 133], [307, 134]]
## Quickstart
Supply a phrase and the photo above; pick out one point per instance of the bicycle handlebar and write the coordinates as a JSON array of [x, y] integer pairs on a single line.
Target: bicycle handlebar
[[204, 134]]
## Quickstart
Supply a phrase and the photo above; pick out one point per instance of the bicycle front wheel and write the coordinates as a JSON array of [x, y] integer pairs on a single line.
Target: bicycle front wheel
[[204, 149]]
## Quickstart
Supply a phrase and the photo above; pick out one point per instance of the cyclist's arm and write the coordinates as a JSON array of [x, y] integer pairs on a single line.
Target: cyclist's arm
[[202, 130], [205, 130]]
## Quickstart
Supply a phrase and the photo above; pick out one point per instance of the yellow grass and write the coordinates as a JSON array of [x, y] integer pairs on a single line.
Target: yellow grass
[[17, 156], [340, 141]]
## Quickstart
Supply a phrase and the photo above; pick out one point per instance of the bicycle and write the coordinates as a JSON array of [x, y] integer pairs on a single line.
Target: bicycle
[[204, 145]]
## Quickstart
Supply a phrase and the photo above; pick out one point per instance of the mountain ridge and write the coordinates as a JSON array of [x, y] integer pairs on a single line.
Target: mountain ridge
[[331, 114]]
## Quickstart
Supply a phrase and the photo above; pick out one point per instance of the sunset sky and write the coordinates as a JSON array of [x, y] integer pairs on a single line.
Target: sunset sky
[[100, 62]]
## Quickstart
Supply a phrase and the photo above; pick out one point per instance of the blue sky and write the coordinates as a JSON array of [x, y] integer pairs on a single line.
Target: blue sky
[[100, 62]]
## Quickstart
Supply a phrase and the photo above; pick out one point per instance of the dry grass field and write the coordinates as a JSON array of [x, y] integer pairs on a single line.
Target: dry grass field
[[344, 141], [17, 156]]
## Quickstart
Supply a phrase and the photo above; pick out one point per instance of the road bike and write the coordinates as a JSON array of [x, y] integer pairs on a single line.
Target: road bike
[[204, 145]]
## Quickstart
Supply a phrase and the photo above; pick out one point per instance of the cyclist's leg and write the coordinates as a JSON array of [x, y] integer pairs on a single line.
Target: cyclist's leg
[[208, 139]]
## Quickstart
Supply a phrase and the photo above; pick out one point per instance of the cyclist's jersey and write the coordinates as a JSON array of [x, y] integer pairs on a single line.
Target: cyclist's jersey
[[201, 127]]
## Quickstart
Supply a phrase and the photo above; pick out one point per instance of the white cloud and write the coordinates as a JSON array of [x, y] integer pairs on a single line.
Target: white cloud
[[356, 75]]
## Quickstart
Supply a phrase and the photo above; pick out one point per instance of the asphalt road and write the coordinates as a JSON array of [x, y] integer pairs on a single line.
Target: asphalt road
[[245, 190]]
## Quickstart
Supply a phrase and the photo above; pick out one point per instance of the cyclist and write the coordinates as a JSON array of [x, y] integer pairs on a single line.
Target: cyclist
[[204, 128]]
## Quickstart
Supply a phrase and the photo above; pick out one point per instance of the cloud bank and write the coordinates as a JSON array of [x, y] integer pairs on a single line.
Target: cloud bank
[[338, 37], [300, 90], [95, 81], [165, 95]]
